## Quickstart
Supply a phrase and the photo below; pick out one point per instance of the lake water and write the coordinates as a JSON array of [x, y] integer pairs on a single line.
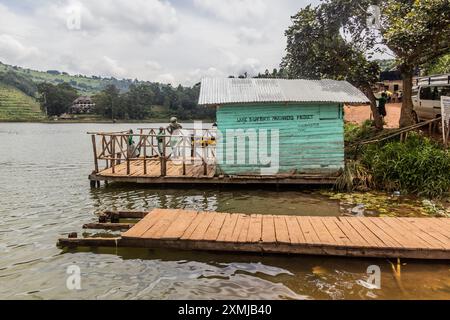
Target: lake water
[[45, 194]]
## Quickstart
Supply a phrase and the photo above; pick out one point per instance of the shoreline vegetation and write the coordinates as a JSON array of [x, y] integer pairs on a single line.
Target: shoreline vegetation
[[418, 166]]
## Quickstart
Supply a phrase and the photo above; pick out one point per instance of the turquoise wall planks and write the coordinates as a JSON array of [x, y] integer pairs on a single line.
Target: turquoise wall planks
[[311, 137]]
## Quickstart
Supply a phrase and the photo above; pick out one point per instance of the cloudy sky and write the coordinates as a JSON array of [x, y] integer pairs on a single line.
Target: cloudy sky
[[171, 41]]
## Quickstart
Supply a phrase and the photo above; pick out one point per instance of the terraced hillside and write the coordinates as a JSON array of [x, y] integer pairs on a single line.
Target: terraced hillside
[[17, 106]]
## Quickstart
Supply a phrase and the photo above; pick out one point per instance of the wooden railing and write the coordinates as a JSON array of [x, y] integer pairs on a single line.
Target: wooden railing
[[189, 147]]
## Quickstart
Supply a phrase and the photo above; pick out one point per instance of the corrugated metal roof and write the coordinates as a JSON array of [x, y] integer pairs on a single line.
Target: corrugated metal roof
[[226, 91]]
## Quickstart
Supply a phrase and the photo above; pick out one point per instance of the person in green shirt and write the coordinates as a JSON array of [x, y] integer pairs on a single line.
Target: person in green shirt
[[133, 151], [382, 104]]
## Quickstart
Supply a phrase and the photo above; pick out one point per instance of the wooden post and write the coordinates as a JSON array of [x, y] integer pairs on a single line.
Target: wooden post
[[94, 147], [205, 159], [446, 129], [113, 154], [163, 159], [145, 154], [192, 146], [184, 155], [128, 159]]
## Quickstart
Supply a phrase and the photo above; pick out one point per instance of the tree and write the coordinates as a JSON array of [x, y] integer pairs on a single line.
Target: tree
[[107, 102], [316, 49], [438, 66], [138, 101], [20, 82], [416, 32], [56, 100]]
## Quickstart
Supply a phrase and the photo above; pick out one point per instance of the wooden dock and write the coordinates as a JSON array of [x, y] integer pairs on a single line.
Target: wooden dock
[[415, 238], [179, 173], [150, 162]]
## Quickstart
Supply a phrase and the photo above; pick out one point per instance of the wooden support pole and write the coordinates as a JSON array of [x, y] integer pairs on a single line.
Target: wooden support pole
[[113, 154], [163, 159], [205, 161], [94, 147], [145, 155], [128, 159], [89, 242], [126, 214], [109, 226]]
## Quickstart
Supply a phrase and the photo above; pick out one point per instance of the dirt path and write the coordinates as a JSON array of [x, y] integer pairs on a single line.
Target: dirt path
[[359, 114]]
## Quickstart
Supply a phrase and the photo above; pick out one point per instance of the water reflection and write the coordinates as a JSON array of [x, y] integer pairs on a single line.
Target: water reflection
[[263, 201]]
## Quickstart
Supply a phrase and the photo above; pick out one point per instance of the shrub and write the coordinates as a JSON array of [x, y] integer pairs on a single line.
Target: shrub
[[418, 166]]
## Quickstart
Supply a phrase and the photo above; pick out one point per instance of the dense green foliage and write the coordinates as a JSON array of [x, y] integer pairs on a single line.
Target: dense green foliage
[[83, 84], [418, 166], [20, 82], [317, 49], [415, 31], [144, 101], [438, 66], [56, 100]]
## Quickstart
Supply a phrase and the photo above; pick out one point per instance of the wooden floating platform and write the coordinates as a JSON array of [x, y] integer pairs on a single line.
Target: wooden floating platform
[[195, 175], [414, 238]]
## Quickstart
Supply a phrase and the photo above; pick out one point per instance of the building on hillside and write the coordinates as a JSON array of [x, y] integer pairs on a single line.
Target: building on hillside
[[82, 105], [279, 127]]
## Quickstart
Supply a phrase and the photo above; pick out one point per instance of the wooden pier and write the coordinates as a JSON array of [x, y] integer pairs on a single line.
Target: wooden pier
[[415, 238], [151, 160]]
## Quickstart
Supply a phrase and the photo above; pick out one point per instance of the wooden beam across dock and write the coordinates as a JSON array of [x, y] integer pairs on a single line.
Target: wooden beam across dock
[[415, 238]]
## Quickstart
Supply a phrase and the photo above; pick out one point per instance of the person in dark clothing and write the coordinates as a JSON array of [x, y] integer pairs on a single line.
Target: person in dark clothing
[[160, 138], [382, 104]]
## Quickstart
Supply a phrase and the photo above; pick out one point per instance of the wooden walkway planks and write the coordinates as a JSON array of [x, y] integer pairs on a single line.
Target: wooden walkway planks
[[421, 238], [194, 174], [174, 169]]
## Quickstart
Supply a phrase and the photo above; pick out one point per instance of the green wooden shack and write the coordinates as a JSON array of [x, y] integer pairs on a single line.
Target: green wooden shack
[[279, 127]]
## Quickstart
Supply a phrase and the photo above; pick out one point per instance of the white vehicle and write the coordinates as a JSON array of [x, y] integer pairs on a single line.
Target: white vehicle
[[427, 102]]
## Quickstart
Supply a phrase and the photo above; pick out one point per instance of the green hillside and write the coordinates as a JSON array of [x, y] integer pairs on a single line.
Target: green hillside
[[84, 84], [17, 106]]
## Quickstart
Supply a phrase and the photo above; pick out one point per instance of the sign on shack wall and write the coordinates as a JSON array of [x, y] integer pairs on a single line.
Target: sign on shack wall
[[445, 105]]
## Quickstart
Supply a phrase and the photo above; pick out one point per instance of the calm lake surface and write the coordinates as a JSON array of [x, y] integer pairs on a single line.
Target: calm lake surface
[[45, 194]]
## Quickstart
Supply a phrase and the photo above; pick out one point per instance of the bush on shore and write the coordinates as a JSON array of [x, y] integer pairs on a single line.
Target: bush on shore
[[417, 166]]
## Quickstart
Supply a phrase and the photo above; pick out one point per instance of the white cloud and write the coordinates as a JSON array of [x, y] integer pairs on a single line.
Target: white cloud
[[250, 35], [16, 52], [146, 16], [153, 65], [154, 40], [234, 10], [166, 78]]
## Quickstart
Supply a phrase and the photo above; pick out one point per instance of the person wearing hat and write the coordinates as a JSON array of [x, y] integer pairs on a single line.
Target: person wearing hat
[[173, 126], [174, 129]]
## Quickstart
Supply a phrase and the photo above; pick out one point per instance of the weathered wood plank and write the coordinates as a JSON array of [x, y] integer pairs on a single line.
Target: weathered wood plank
[[145, 224], [364, 232], [255, 229], [295, 233], [353, 236], [214, 228], [200, 230], [268, 229], [245, 222], [160, 227], [281, 230], [308, 231], [322, 232], [226, 233], [178, 227], [411, 228]]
